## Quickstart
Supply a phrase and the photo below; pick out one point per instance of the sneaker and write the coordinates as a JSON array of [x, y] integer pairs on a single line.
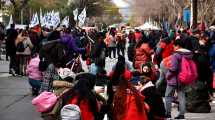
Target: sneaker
[[180, 117]]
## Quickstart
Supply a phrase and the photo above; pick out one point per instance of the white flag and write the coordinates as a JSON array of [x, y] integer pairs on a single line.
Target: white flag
[[55, 20], [65, 21], [11, 20], [75, 13], [82, 17], [35, 21], [48, 19], [42, 20]]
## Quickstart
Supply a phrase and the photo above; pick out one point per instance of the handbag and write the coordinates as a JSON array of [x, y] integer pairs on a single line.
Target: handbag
[[54, 113], [45, 101]]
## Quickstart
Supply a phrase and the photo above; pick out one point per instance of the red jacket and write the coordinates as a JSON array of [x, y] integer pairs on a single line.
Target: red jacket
[[86, 113], [138, 36], [167, 49], [132, 112], [142, 55]]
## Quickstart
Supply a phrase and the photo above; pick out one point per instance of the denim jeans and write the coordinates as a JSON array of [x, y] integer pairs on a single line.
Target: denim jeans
[[169, 94], [35, 84]]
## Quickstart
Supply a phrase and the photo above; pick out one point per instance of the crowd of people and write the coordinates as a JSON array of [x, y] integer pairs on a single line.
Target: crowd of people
[[142, 85]]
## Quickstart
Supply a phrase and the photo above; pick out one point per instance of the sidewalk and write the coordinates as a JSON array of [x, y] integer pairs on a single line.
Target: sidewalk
[[15, 100]]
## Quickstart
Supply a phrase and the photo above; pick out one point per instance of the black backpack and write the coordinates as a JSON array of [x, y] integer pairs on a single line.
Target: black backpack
[[20, 47]]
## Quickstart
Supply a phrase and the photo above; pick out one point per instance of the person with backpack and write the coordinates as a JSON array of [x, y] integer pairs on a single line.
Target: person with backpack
[[23, 51], [181, 72]]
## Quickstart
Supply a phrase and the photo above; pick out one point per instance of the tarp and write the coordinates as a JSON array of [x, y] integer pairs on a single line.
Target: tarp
[[148, 26]]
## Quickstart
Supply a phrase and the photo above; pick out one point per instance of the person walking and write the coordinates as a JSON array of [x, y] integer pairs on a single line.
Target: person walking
[[173, 82], [121, 42], [11, 48]]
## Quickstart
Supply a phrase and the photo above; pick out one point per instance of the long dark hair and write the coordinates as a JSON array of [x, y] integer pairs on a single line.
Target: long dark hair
[[120, 98], [83, 89], [119, 70]]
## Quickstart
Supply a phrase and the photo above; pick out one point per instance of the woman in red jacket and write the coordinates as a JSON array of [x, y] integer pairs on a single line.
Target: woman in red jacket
[[143, 54], [128, 104]]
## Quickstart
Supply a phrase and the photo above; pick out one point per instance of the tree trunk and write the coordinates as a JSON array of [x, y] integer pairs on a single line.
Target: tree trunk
[[194, 13]]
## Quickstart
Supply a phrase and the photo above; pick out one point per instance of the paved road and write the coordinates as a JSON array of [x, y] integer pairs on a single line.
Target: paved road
[[16, 104]]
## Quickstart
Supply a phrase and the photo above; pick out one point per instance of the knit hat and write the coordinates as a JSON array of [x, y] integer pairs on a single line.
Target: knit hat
[[70, 112]]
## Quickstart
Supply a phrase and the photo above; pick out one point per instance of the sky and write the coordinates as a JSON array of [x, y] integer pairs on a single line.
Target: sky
[[121, 3]]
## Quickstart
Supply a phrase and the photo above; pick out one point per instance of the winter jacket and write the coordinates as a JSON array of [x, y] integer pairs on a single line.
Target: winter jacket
[[33, 69], [68, 40], [212, 57], [142, 55], [174, 67]]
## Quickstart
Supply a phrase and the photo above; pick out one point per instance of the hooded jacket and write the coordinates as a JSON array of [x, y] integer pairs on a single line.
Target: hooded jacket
[[175, 67]]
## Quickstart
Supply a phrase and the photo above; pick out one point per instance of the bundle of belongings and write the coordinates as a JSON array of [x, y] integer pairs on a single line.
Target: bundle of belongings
[[49, 104]]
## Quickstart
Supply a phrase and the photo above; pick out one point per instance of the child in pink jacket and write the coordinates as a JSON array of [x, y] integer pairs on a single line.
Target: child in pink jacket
[[34, 75]]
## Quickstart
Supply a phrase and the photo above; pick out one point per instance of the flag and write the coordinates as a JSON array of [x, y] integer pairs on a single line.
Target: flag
[[35, 21], [82, 17], [75, 13], [65, 21], [42, 20], [55, 19], [11, 20]]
